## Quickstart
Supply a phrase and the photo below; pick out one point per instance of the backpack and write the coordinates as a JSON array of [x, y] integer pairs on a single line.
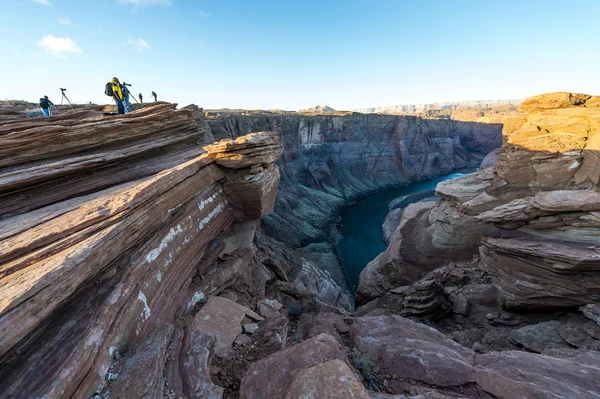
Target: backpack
[[44, 103], [108, 90]]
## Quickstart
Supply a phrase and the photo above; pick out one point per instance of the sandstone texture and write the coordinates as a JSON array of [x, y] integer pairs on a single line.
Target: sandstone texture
[[108, 222], [408, 350], [532, 217], [301, 369], [164, 265]]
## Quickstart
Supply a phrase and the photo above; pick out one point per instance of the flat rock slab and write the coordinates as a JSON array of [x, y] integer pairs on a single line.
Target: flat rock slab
[[288, 371], [222, 318], [413, 351], [515, 374], [568, 201]]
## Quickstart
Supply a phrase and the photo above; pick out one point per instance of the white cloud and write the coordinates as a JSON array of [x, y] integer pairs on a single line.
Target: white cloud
[[140, 44], [43, 2], [65, 22], [143, 3], [59, 46]]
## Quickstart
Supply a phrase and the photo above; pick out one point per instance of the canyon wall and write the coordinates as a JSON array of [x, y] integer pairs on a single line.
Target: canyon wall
[[132, 264], [532, 217], [330, 160], [111, 229]]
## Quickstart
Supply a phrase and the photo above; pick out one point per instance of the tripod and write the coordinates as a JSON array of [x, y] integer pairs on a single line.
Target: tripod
[[64, 97], [129, 93]]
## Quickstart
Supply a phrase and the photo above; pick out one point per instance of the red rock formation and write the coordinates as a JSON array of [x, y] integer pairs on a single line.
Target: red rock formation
[[104, 223], [544, 185]]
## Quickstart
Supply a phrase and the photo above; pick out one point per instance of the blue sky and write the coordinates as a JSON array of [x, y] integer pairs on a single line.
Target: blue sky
[[296, 54]]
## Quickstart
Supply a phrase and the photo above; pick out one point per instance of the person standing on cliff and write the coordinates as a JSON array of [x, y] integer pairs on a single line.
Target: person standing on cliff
[[45, 104], [154, 95], [126, 104], [113, 89], [141, 98]]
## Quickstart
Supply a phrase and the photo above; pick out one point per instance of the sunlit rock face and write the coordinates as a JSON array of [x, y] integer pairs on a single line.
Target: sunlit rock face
[[106, 223], [537, 209]]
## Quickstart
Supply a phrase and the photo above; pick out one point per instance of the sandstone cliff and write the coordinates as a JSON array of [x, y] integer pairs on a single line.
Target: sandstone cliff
[[112, 228], [330, 160], [142, 274], [533, 217]]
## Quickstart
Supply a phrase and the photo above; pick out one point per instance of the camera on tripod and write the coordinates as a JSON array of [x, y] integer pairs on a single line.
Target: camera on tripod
[[64, 97]]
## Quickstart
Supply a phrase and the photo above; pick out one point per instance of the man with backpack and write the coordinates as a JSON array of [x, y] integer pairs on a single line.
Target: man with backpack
[[45, 105], [154, 95], [141, 98], [113, 89]]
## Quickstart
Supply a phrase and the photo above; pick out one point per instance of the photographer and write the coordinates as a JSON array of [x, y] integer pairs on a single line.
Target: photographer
[[45, 104], [126, 104]]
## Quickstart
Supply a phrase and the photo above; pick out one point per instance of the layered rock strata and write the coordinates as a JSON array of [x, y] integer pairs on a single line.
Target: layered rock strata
[[331, 159], [535, 212], [107, 223]]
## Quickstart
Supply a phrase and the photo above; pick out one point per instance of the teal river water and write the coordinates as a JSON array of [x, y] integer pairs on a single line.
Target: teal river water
[[360, 226]]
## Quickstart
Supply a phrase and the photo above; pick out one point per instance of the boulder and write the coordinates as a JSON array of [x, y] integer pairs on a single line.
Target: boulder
[[332, 379], [414, 351], [269, 307], [222, 318], [539, 337], [290, 371]]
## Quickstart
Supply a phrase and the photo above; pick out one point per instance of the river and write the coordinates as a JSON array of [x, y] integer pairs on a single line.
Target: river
[[360, 226]]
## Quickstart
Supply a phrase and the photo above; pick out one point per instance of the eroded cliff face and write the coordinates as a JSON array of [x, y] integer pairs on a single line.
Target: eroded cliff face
[[112, 229], [533, 217], [330, 160], [149, 278]]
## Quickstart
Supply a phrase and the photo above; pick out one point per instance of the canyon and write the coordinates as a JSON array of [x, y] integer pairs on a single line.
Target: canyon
[[187, 253]]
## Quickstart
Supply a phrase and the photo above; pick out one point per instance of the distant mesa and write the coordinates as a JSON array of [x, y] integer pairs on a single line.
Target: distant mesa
[[424, 108], [319, 109]]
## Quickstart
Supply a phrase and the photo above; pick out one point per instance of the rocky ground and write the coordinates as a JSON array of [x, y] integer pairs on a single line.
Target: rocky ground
[[143, 273]]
